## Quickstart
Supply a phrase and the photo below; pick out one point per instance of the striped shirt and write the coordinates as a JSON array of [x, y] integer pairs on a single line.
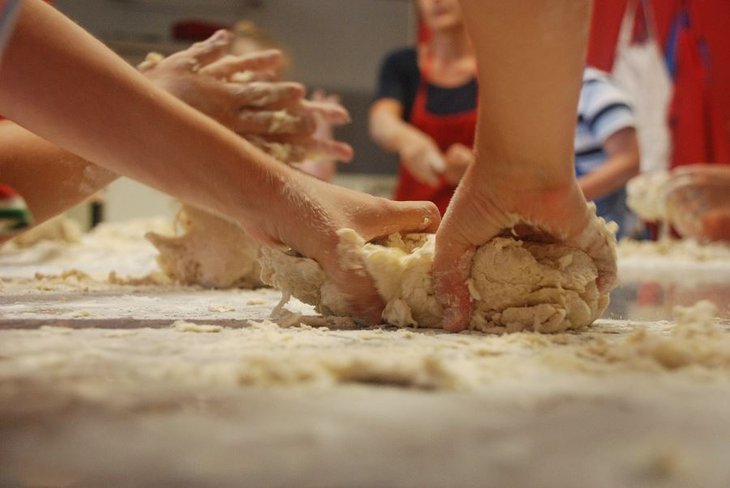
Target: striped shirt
[[603, 110]]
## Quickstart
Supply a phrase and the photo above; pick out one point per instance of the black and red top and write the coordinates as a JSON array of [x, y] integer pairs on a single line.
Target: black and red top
[[447, 115]]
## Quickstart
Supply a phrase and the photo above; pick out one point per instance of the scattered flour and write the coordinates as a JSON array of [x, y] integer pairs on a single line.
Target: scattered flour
[[688, 250], [220, 308], [695, 340], [183, 326]]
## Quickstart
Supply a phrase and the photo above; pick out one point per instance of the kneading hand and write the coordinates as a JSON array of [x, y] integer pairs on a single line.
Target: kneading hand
[[308, 216], [422, 157], [479, 212], [238, 92]]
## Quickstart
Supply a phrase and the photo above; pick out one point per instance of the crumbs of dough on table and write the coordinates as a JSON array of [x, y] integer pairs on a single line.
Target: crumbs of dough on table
[[185, 326]]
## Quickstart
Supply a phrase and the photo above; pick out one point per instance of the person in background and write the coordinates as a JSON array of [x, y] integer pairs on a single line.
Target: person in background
[[606, 147], [80, 97], [425, 107], [248, 38]]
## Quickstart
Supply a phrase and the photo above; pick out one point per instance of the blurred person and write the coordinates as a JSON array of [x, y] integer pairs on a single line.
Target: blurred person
[[425, 107], [606, 147]]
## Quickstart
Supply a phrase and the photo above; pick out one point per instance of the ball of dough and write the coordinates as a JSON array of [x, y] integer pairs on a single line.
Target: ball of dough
[[210, 252], [516, 285]]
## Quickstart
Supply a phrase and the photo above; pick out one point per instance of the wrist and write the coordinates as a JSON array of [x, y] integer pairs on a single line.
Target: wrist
[[525, 174]]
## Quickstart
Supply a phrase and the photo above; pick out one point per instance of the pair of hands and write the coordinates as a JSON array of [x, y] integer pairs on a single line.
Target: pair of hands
[[425, 161], [306, 213], [241, 93]]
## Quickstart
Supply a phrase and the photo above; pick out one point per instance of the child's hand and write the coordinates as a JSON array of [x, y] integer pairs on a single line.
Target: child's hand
[[239, 92]]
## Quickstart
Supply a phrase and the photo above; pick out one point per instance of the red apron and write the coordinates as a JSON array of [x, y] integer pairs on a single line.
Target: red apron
[[445, 130], [690, 116]]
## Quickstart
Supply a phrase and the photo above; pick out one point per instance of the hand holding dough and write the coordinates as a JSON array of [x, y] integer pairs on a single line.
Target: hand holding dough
[[515, 285]]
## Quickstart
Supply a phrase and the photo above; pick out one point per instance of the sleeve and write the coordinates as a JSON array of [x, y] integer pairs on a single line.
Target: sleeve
[[608, 109], [399, 78], [397, 73]]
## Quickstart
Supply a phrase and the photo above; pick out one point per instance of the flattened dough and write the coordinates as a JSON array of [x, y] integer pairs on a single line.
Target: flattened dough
[[516, 285], [210, 252]]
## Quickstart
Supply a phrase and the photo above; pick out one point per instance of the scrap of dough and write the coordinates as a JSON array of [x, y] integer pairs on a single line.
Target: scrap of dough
[[211, 252], [184, 326], [645, 195], [516, 285], [59, 228]]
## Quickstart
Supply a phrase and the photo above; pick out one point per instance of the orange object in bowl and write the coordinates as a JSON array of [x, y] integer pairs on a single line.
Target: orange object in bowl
[[698, 202]]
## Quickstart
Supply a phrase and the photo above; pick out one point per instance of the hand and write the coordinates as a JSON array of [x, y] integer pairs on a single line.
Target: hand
[[479, 212], [698, 202], [308, 219], [458, 157], [325, 112], [317, 164], [422, 157], [237, 91]]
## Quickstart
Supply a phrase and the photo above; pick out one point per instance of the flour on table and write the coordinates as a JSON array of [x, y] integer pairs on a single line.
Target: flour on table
[[210, 251], [688, 250], [220, 308], [184, 326], [696, 339], [516, 285]]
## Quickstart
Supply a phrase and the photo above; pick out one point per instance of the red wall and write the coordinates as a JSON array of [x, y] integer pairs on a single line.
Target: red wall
[[710, 21]]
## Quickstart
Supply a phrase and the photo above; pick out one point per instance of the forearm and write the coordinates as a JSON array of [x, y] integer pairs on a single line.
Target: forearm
[[80, 96], [532, 53], [389, 131], [50, 179], [612, 175]]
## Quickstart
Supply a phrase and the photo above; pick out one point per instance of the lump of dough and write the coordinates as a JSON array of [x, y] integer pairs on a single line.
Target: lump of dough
[[516, 285], [210, 252], [646, 195], [59, 228]]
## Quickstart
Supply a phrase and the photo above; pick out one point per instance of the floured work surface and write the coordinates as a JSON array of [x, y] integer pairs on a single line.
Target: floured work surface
[[214, 394]]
